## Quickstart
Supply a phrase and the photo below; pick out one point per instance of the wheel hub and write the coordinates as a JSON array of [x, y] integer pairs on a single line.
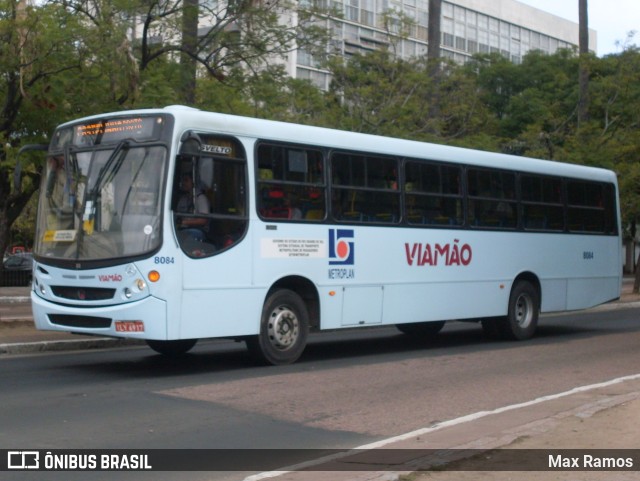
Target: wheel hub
[[524, 311], [283, 328]]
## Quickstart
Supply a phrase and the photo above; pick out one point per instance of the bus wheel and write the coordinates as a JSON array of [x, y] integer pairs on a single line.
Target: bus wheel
[[172, 348], [421, 329], [283, 329], [522, 317]]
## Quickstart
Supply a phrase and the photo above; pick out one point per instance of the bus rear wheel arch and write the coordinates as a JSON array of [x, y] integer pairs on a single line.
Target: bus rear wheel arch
[[284, 328], [523, 311]]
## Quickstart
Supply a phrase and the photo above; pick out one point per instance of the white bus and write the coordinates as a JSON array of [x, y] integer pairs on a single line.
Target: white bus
[[172, 225]]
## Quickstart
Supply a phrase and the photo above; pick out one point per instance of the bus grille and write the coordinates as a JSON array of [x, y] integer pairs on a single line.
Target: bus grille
[[83, 293], [79, 321]]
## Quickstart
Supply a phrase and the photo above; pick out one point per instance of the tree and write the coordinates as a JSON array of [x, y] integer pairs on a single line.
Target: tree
[[39, 46], [377, 93], [108, 55], [381, 94], [220, 36], [534, 102]]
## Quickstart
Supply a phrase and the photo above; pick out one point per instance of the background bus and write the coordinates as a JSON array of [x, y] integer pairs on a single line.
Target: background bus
[[174, 224]]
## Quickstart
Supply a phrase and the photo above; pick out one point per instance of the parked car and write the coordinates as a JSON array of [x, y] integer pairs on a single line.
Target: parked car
[[17, 270]]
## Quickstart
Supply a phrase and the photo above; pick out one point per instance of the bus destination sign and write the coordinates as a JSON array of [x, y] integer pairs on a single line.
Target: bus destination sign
[[114, 130]]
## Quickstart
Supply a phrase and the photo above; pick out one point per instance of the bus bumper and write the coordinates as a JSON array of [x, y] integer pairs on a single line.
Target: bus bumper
[[144, 319]]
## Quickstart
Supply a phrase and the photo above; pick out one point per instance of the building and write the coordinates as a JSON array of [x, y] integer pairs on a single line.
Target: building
[[468, 27]]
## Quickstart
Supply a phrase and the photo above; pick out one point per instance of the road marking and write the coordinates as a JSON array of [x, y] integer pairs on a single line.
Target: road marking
[[436, 427]]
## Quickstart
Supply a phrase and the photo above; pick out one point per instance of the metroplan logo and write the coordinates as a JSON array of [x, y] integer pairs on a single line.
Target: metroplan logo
[[341, 247]]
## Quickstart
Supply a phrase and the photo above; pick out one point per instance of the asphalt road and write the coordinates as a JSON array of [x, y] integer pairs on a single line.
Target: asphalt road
[[347, 390]]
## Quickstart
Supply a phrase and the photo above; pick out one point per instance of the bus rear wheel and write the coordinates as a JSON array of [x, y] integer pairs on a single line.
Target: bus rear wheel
[[521, 321], [172, 348], [284, 328]]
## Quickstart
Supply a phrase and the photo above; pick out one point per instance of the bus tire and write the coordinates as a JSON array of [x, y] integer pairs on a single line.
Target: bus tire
[[284, 328], [172, 348], [421, 329], [522, 316]]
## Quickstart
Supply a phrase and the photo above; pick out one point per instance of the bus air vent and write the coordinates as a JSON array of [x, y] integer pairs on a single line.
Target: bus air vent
[[83, 293], [80, 321]]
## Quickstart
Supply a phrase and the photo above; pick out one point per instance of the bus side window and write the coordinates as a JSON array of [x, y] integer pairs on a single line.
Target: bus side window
[[211, 212], [591, 208], [492, 199], [542, 204], [290, 183], [365, 188], [433, 194]]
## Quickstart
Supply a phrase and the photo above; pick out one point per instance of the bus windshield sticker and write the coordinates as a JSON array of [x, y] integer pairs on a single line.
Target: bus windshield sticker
[[59, 236]]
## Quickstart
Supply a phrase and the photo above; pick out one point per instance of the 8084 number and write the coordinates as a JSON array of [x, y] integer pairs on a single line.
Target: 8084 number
[[164, 260]]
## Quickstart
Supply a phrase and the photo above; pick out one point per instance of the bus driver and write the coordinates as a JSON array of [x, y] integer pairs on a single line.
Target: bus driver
[[192, 201]]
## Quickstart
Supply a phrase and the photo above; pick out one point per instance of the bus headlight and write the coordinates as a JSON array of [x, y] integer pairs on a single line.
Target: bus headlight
[[139, 285]]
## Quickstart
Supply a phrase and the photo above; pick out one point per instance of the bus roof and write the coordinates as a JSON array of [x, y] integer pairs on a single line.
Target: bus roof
[[188, 118]]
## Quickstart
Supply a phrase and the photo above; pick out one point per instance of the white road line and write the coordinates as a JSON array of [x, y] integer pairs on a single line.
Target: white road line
[[444, 424]]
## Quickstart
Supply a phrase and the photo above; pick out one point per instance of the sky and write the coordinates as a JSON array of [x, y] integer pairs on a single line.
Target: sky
[[612, 19]]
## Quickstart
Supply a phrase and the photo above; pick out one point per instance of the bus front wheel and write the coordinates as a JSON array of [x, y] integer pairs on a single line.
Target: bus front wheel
[[172, 348], [284, 328]]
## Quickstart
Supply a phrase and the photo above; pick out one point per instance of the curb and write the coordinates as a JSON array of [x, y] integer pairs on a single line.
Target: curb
[[66, 345], [15, 299]]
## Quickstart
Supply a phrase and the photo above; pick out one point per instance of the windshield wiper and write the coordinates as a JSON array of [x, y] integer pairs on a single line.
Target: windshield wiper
[[102, 179], [107, 173]]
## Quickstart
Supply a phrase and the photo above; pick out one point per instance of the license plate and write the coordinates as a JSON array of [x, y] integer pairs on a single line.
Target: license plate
[[129, 326]]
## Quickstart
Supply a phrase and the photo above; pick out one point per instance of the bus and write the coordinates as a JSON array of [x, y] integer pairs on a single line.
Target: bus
[[172, 225]]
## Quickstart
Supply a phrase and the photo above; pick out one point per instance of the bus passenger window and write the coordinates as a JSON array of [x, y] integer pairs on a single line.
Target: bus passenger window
[[365, 188], [433, 194], [492, 199], [290, 183], [591, 207], [542, 204]]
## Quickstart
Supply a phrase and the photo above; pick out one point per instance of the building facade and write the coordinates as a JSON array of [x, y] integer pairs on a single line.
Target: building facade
[[467, 27]]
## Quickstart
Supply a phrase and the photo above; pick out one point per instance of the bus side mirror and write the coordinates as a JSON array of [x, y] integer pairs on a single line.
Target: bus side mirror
[[191, 144], [17, 172]]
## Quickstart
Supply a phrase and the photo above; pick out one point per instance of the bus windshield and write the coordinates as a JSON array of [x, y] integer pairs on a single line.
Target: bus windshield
[[101, 203]]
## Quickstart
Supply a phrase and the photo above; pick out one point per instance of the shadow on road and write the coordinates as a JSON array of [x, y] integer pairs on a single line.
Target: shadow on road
[[330, 350]]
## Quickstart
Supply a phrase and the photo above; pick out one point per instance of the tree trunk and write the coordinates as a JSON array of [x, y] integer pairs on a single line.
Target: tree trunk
[[435, 15], [583, 102], [189, 48], [433, 61]]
